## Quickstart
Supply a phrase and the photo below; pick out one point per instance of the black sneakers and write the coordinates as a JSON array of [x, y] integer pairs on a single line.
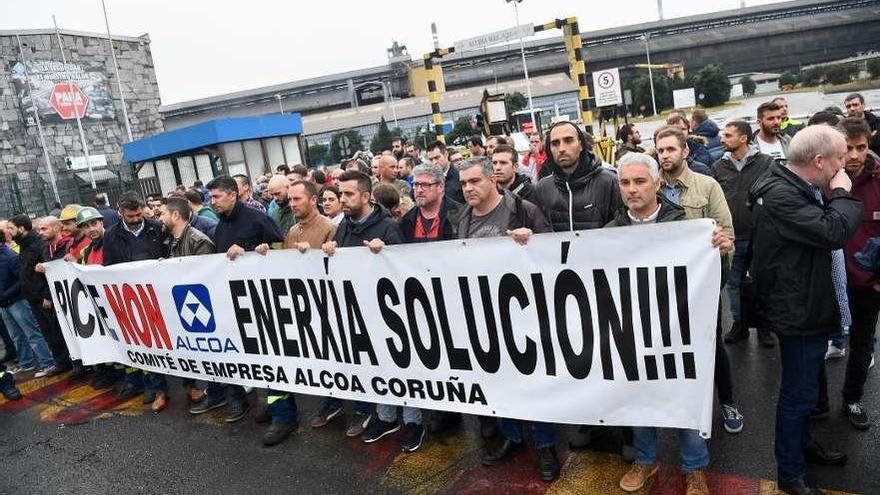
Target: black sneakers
[[378, 429], [413, 435], [857, 415], [208, 404]]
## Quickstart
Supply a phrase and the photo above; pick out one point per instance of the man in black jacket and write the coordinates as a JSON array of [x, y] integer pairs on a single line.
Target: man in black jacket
[[35, 289], [365, 224], [736, 171], [505, 159], [796, 229], [580, 194], [240, 229], [134, 238], [438, 156]]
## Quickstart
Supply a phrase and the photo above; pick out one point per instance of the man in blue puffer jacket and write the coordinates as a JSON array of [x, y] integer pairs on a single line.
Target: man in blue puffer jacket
[[707, 128]]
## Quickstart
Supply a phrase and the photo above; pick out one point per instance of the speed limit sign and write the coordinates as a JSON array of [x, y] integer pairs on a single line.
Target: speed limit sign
[[606, 85]]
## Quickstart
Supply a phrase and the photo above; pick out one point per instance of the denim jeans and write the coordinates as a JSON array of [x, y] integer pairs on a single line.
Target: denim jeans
[[694, 452], [29, 341], [155, 382], [738, 269], [358, 406], [388, 413], [802, 358], [545, 435], [281, 406]]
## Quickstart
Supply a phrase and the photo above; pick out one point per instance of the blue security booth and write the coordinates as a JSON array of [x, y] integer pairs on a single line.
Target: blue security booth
[[247, 145]]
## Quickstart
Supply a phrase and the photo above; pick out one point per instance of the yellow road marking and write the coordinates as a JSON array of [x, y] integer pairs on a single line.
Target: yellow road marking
[[434, 467], [71, 398], [590, 473]]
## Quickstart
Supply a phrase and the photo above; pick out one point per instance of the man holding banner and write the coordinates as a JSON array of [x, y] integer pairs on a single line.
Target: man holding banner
[[365, 224], [639, 177], [240, 229], [491, 213]]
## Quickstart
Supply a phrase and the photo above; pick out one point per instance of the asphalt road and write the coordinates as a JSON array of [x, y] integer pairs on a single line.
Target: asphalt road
[[65, 438]]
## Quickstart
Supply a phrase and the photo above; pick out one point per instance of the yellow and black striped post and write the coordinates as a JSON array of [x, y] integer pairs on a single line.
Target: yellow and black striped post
[[578, 68], [434, 95]]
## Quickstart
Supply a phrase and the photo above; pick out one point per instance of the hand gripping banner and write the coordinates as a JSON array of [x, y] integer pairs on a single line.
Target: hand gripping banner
[[603, 327]]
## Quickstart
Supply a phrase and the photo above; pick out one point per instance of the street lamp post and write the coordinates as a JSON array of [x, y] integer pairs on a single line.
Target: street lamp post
[[647, 38], [280, 105], [522, 52]]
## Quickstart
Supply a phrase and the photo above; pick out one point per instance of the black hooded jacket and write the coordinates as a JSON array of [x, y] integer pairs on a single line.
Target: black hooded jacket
[[121, 246], [522, 187], [588, 198], [33, 250], [377, 225], [792, 239]]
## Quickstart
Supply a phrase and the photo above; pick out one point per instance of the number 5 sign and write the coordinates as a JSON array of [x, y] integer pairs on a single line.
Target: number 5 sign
[[606, 86]]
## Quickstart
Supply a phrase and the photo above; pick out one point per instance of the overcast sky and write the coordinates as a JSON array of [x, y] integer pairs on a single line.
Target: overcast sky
[[203, 48]]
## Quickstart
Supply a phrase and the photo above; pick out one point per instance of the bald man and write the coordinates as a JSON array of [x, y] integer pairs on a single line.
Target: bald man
[[50, 229], [283, 215], [386, 172]]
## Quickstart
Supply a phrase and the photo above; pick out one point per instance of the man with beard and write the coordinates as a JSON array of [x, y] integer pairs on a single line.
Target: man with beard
[[183, 240], [701, 197], [630, 138], [736, 172], [398, 147], [855, 107], [134, 238], [365, 224], [283, 216], [769, 139], [787, 125], [863, 167], [581, 194], [310, 232]]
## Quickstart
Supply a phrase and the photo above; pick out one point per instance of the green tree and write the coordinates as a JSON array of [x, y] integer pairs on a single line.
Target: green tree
[[461, 131], [317, 153], [840, 73], [352, 138], [812, 77], [712, 83], [382, 139], [748, 85], [641, 91], [874, 67], [789, 79]]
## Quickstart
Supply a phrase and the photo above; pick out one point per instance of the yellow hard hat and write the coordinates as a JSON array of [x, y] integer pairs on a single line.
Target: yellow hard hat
[[69, 212]]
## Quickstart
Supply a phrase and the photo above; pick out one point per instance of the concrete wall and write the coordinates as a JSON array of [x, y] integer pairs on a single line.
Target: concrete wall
[[24, 180]]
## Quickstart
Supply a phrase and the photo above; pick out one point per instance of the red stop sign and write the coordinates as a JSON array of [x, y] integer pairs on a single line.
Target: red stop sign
[[69, 100]]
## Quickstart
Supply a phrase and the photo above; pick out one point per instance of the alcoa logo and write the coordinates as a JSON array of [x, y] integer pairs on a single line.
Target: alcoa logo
[[194, 308]]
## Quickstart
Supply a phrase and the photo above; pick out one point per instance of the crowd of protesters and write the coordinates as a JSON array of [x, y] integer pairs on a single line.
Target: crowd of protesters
[[797, 227]]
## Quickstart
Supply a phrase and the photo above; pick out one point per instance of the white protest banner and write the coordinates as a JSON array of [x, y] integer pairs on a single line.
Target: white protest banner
[[606, 327]]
